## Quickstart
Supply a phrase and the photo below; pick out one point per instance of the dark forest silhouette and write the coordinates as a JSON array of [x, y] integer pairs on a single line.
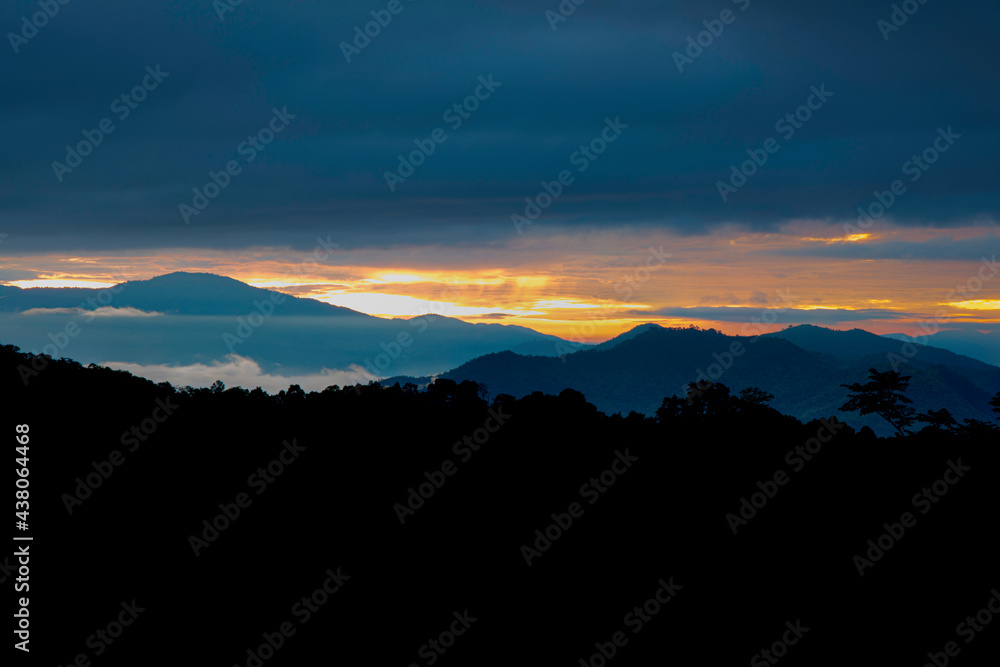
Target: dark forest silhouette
[[419, 508]]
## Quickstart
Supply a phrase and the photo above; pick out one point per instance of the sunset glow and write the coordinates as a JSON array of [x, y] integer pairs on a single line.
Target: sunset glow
[[60, 282], [561, 285]]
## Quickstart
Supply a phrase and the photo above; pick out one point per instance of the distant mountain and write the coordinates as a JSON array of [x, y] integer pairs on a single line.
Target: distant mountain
[[628, 335], [854, 348], [982, 346], [842, 344], [858, 343], [639, 371], [202, 318], [176, 293]]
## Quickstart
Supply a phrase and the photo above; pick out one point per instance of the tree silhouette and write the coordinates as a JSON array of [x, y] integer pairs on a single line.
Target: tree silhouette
[[939, 419], [710, 399], [696, 389], [755, 396], [882, 395], [978, 430], [672, 408], [996, 403]]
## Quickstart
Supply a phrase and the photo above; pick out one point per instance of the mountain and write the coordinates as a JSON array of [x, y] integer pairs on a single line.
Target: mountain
[[858, 343], [628, 335], [194, 320], [982, 346], [639, 371], [183, 319], [841, 344], [176, 293], [857, 348]]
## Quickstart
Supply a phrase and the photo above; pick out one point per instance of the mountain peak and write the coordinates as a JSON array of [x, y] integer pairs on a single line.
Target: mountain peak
[[189, 279], [628, 335]]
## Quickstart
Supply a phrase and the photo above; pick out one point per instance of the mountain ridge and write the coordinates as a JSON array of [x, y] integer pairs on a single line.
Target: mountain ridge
[[638, 372], [204, 318]]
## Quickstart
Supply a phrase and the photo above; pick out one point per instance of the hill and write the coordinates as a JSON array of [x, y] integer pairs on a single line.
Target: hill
[[637, 372], [971, 343], [185, 319]]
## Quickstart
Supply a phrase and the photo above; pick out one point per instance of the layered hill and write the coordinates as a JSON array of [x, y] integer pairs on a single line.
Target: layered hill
[[803, 367], [197, 318]]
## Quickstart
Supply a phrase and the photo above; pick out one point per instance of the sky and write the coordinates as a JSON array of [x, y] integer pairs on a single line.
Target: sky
[[575, 168]]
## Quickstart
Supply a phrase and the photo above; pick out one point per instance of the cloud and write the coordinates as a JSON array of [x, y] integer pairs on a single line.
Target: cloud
[[104, 311], [8, 275], [786, 315], [729, 298], [237, 371], [325, 172], [933, 249]]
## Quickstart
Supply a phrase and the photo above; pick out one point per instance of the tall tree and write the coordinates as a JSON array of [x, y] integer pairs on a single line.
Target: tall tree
[[882, 395]]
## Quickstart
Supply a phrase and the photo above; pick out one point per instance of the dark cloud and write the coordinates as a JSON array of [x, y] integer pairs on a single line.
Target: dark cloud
[[942, 248], [324, 172], [11, 275]]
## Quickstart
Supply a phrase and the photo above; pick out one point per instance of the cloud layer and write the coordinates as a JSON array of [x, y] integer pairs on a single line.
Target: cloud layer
[[219, 79], [244, 372]]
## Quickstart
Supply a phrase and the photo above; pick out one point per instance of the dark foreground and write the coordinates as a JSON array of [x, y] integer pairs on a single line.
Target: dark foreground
[[388, 527]]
